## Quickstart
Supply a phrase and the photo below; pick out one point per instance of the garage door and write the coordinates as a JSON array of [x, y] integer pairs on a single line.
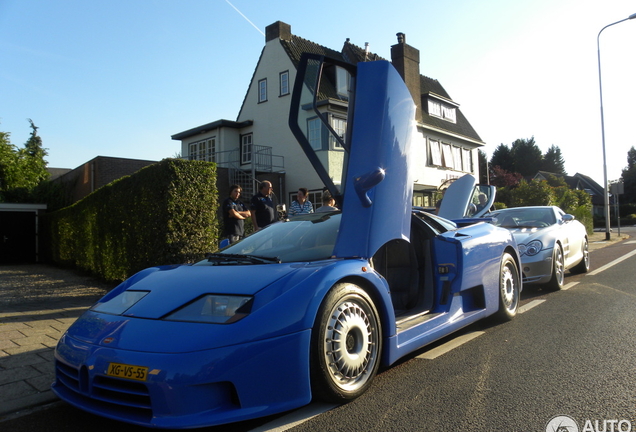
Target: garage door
[[17, 237]]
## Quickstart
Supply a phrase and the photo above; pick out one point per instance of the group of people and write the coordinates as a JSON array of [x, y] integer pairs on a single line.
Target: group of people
[[262, 209]]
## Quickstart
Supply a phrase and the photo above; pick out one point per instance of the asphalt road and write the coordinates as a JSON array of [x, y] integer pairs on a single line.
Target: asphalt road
[[570, 353]]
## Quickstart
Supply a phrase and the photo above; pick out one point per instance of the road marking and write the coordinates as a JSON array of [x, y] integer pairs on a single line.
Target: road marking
[[450, 345], [570, 285], [295, 418], [529, 305], [630, 242], [613, 263]]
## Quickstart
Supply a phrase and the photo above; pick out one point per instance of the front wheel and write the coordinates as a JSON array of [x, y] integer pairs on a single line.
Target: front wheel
[[558, 269], [509, 288], [346, 344]]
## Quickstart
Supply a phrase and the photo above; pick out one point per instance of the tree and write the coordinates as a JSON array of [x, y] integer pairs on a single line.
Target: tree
[[534, 193], [502, 158], [526, 157], [553, 161], [21, 170], [502, 178], [629, 178], [483, 167]]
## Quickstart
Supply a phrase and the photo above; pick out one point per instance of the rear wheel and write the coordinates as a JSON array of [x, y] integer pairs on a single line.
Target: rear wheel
[[346, 344], [558, 269], [509, 288], [584, 265]]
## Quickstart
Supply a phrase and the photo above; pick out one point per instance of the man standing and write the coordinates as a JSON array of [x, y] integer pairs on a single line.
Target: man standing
[[301, 205], [234, 215], [262, 207]]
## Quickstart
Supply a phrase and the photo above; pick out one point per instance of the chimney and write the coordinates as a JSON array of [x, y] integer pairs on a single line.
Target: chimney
[[406, 61], [278, 30]]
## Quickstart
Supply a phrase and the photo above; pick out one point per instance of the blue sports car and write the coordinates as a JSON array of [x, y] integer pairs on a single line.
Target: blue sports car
[[304, 309]]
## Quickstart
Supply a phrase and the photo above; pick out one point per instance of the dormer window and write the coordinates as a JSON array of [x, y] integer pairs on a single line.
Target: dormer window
[[342, 82], [442, 108]]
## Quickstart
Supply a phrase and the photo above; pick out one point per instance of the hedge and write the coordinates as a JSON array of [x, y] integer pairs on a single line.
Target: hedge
[[163, 214]]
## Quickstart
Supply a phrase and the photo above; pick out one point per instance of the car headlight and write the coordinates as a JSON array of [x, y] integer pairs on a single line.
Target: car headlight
[[213, 308], [531, 249], [120, 303]]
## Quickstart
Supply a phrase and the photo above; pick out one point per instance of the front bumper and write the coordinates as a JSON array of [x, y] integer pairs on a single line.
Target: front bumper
[[537, 269], [187, 390]]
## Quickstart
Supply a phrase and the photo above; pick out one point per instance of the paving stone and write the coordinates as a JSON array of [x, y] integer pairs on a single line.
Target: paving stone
[[14, 361], [42, 382], [18, 374], [16, 390], [6, 326], [25, 349], [43, 339], [4, 344], [11, 334], [50, 330]]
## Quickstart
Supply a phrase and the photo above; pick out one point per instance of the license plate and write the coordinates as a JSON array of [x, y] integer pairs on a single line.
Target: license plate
[[127, 371]]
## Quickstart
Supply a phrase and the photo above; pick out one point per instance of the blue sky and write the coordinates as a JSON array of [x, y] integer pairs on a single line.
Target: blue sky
[[118, 78]]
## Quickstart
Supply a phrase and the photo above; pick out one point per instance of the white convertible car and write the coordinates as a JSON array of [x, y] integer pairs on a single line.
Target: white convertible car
[[550, 242]]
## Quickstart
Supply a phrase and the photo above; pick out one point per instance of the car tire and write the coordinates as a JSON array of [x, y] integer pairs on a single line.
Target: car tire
[[558, 269], [584, 265], [346, 344], [509, 288]]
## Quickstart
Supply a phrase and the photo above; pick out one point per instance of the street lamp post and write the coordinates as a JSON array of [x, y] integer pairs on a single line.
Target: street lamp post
[[600, 87]]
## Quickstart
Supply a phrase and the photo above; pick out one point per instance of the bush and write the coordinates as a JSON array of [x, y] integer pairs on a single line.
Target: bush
[[163, 214]]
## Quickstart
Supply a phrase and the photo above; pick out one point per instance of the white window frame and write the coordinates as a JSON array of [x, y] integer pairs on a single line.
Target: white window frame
[[339, 125], [204, 150], [283, 80], [314, 133], [436, 152], [247, 145], [262, 90], [447, 156], [343, 79], [467, 165], [457, 158]]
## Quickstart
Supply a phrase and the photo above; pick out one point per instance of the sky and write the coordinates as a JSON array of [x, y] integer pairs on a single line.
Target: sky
[[119, 78]]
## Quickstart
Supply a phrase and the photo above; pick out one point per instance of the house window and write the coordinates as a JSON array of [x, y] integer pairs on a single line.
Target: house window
[[340, 127], [447, 156], [442, 111], [262, 90], [342, 82], [246, 149], [457, 158], [436, 154], [314, 133], [204, 150], [466, 160], [284, 83]]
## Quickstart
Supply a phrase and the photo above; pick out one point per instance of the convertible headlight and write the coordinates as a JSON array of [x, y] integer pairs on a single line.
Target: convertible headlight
[[214, 308], [120, 303], [531, 249]]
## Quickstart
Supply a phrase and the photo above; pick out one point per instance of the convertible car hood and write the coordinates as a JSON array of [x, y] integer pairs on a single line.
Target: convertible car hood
[[525, 235], [172, 287]]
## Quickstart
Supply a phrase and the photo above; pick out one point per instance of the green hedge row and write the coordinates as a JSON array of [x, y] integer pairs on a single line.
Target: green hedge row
[[163, 214]]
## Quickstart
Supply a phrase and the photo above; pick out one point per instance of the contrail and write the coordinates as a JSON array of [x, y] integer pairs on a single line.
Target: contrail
[[246, 18]]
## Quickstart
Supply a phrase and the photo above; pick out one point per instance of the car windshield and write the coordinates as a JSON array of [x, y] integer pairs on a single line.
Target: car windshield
[[305, 238], [523, 217]]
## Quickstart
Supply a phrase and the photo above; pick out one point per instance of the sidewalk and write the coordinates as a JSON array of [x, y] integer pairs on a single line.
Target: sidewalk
[[37, 304]]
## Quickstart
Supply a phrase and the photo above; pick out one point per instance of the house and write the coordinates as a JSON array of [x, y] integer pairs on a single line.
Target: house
[[94, 174], [259, 144], [582, 182]]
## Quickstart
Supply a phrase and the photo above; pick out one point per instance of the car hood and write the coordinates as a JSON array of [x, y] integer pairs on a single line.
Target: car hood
[[141, 328], [526, 235], [170, 287]]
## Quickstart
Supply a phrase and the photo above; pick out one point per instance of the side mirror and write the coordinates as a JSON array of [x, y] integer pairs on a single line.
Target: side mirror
[[568, 218]]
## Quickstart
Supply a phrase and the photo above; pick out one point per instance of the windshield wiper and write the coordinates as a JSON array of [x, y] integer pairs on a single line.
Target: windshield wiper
[[251, 259]]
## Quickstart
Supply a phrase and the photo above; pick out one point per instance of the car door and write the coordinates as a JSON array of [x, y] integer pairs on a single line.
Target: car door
[[376, 187], [461, 199]]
